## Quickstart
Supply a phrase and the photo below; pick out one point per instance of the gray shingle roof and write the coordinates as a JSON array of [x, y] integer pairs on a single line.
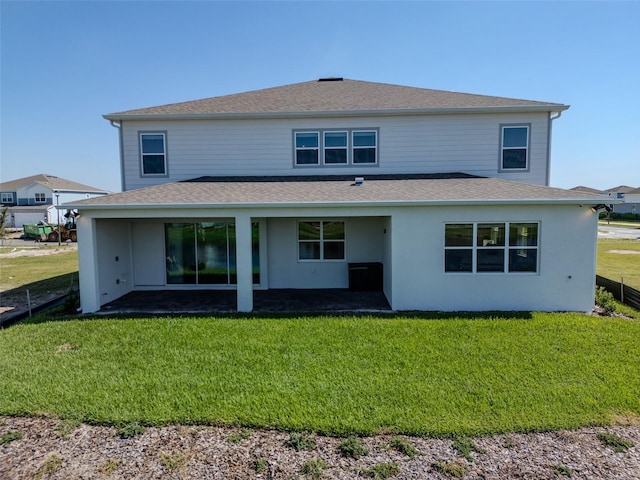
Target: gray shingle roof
[[313, 191], [49, 181], [336, 96], [582, 188]]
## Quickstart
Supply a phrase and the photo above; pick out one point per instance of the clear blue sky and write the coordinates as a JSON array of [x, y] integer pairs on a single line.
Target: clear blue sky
[[65, 64]]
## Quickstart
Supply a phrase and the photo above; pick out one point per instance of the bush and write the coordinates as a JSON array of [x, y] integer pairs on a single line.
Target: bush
[[352, 448], [612, 440], [453, 469], [10, 437], [620, 216], [72, 301], [604, 299], [313, 468], [403, 446], [130, 430], [382, 471], [464, 446], [301, 441]]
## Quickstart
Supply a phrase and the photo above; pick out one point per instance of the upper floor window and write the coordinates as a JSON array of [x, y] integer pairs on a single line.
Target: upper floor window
[[515, 147], [153, 153], [321, 240], [364, 147], [336, 147], [40, 198], [6, 197], [307, 147], [491, 247]]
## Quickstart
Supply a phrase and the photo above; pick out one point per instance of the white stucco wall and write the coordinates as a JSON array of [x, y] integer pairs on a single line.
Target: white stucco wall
[[409, 241], [364, 243], [565, 280], [114, 251]]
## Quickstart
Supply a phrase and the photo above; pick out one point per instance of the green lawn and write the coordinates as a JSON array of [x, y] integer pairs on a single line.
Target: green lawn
[[616, 259], [427, 376], [45, 277]]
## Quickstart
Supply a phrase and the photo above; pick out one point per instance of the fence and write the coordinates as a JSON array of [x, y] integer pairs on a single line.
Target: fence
[[620, 292]]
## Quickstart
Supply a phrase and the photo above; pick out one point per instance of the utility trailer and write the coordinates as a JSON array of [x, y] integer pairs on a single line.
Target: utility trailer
[[37, 231]]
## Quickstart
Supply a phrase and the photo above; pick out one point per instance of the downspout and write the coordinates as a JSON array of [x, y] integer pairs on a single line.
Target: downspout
[[119, 127], [551, 119]]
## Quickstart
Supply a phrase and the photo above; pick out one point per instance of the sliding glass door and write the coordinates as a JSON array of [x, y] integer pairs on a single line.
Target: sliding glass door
[[204, 253]]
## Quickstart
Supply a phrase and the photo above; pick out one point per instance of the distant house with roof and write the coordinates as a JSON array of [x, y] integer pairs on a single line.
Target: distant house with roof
[[628, 197], [443, 195], [33, 199]]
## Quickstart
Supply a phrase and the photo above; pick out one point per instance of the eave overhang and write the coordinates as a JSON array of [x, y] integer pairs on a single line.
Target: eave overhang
[[551, 108], [347, 204]]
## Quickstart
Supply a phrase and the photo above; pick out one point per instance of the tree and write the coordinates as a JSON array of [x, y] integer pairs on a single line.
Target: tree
[[4, 216]]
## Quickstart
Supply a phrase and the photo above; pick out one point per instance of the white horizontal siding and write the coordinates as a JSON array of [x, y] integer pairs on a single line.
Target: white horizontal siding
[[406, 144]]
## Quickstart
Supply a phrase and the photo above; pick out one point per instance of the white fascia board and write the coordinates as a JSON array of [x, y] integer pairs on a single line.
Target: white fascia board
[[340, 113], [399, 203]]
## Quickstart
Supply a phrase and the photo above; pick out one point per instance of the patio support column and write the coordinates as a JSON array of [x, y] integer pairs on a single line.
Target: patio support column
[[87, 260], [244, 264]]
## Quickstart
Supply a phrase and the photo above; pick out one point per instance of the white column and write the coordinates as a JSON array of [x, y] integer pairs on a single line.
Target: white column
[[243, 263], [88, 263]]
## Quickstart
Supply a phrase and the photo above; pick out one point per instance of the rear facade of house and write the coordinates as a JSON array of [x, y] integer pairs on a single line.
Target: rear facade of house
[[439, 199]]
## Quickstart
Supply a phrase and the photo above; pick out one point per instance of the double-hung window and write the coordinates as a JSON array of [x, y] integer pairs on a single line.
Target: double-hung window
[[321, 240], [40, 198], [6, 197], [364, 147], [335, 148], [491, 247], [307, 148], [515, 147], [332, 148], [153, 153]]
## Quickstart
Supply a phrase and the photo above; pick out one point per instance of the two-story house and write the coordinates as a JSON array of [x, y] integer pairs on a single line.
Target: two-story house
[[286, 187], [34, 199]]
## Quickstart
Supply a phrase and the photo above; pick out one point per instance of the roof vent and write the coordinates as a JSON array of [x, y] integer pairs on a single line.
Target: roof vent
[[331, 79], [358, 181]]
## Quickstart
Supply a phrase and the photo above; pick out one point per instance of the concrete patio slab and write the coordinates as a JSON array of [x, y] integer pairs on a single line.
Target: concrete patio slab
[[224, 301]]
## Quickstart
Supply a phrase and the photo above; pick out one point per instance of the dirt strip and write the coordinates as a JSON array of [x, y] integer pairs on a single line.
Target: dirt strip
[[54, 449]]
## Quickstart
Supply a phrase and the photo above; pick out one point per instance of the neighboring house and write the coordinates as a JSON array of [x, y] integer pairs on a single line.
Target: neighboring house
[[34, 199], [628, 197], [631, 202], [445, 193]]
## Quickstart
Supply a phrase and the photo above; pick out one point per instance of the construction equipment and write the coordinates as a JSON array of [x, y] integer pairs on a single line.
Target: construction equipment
[[68, 231]]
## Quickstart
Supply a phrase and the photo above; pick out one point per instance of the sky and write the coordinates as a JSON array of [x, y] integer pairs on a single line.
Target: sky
[[65, 64]]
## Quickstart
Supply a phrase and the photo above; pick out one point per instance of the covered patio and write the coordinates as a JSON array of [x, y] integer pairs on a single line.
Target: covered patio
[[225, 301]]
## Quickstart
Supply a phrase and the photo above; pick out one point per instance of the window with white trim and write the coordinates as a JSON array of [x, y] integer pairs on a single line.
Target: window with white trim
[[321, 240], [332, 148], [515, 147], [364, 147], [40, 197], [153, 153], [307, 148], [6, 197], [335, 148], [499, 247]]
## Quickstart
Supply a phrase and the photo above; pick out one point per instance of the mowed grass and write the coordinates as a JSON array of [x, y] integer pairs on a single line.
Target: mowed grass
[[615, 262], [20, 271], [437, 376]]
